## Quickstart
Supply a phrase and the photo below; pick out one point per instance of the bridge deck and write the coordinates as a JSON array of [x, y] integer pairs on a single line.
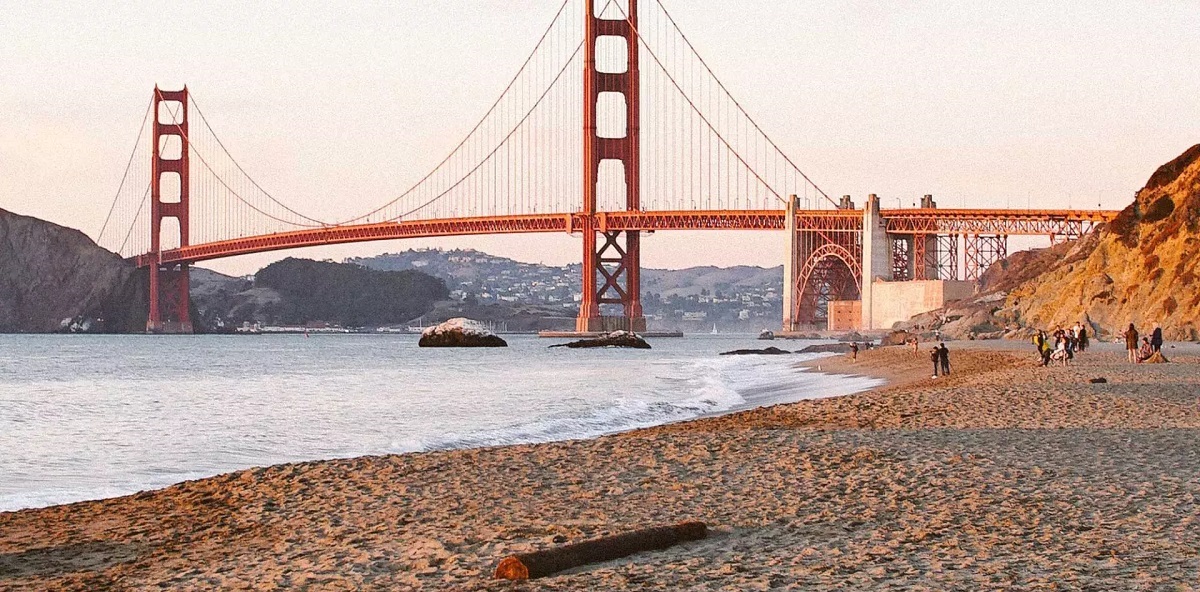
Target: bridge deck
[[901, 221]]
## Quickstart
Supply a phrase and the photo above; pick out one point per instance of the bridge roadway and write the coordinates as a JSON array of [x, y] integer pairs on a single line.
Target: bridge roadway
[[899, 221]]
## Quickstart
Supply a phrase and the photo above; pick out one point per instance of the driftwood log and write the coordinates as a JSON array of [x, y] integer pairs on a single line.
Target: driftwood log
[[543, 563]]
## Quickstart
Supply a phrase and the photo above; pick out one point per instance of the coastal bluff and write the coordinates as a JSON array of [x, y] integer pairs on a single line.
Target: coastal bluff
[[1142, 269], [50, 274]]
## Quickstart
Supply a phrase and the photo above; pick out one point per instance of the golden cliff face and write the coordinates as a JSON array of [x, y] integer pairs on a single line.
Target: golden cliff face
[[1142, 270]]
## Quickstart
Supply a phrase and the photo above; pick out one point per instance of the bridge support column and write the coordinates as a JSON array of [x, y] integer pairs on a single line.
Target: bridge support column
[[981, 251], [876, 257], [924, 263], [903, 254], [611, 259], [169, 286], [791, 267]]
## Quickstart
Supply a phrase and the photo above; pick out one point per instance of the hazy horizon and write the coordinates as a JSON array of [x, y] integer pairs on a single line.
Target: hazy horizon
[[981, 105]]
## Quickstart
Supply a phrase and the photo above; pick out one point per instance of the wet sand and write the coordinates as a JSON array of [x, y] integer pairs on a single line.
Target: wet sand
[[1004, 475]]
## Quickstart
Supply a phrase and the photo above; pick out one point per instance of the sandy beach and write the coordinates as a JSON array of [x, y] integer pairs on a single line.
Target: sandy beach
[[1004, 475]]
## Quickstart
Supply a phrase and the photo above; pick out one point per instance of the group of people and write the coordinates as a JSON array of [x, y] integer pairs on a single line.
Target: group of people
[[1148, 347], [1060, 346]]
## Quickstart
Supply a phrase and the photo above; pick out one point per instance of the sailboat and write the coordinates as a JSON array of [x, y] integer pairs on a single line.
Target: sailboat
[[714, 331]]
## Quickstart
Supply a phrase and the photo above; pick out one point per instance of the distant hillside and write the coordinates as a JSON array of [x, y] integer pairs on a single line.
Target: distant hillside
[[695, 280], [302, 291], [481, 272], [55, 278], [739, 298]]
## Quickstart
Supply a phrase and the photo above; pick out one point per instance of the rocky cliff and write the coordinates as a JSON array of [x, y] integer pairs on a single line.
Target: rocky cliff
[[1142, 269], [52, 277]]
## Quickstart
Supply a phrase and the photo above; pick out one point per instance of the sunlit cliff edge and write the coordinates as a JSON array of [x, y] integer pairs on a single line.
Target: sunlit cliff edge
[[1141, 268]]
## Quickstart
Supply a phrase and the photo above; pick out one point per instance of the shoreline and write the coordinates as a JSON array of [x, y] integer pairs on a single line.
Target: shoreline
[[1002, 475], [48, 498]]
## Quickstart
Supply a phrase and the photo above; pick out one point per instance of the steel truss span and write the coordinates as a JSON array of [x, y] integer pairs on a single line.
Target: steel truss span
[[1005, 222], [1001, 222]]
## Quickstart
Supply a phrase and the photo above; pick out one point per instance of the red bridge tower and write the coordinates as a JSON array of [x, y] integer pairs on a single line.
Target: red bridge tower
[[169, 283], [611, 270]]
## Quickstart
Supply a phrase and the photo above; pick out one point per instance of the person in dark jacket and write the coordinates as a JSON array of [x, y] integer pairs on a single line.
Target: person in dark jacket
[[944, 359], [935, 357], [1156, 339]]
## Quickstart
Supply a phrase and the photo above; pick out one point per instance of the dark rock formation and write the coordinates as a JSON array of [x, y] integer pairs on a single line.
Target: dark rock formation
[[842, 347], [53, 278], [614, 339], [896, 338], [460, 333], [766, 335], [770, 351], [799, 336]]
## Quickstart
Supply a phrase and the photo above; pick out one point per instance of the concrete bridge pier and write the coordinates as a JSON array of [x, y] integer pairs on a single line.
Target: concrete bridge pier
[[877, 257]]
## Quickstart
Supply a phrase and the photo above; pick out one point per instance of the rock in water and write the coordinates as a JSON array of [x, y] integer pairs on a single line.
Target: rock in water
[[770, 351], [460, 333], [766, 334], [614, 339], [829, 348]]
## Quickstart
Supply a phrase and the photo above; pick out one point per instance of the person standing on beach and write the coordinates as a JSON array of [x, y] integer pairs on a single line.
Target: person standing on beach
[[944, 358], [1083, 337], [1156, 339], [854, 351], [935, 356], [1131, 343]]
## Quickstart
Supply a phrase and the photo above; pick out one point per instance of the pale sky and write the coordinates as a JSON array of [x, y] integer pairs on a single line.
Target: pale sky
[[1047, 104]]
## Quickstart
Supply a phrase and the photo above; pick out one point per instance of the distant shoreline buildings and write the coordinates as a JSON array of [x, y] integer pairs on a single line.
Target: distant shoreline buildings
[[750, 297]]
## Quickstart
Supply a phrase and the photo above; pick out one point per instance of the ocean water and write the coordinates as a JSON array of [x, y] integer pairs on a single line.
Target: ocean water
[[87, 417]]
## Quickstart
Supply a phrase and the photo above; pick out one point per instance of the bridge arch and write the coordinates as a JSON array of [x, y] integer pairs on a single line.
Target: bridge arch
[[832, 271]]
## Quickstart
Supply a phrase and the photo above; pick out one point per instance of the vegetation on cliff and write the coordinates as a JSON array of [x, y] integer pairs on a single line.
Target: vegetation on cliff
[[345, 294], [1141, 270]]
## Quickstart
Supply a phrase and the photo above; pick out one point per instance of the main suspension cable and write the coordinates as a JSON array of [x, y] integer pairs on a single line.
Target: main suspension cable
[[736, 103], [502, 143], [471, 133], [128, 165], [696, 109], [200, 112]]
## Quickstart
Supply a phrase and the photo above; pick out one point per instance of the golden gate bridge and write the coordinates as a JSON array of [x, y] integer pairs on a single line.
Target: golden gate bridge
[[614, 125]]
